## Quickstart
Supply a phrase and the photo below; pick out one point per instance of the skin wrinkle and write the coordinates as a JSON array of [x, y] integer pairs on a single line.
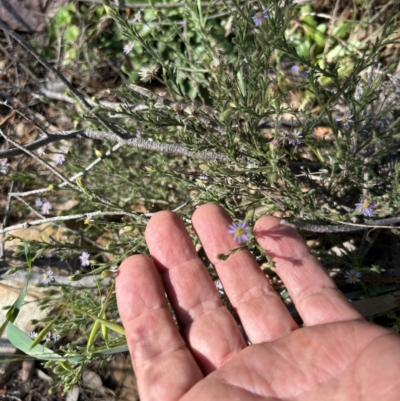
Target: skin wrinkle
[[240, 297], [358, 361], [188, 314], [213, 326], [152, 319], [166, 352], [305, 380], [270, 323], [290, 362], [325, 308]]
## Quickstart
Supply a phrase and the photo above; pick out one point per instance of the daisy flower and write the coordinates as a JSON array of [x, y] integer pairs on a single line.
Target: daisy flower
[[4, 166], [46, 207], [48, 277], [137, 17], [128, 47], [240, 231], [33, 334], [260, 17], [40, 151], [201, 181], [300, 70], [58, 159], [89, 218], [295, 138], [352, 276], [84, 257], [56, 335], [345, 121], [366, 208]]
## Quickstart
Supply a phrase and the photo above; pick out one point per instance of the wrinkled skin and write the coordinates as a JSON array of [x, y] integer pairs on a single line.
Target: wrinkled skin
[[337, 356]]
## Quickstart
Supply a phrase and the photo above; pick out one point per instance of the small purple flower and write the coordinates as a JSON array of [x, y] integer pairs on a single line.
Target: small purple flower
[[138, 134], [240, 231], [366, 208], [56, 335], [38, 202], [48, 277], [4, 166], [46, 207], [219, 286], [58, 159], [345, 121], [260, 17], [137, 17], [352, 276], [89, 218], [40, 151], [300, 70], [128, 48], [48, 337], [33, 335], [201, 181], [295, 138], [85, 259]]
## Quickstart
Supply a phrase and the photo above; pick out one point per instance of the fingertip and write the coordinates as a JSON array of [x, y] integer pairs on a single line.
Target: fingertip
[[279, 240], [130, 270], [207, 210], [158, 220], [265, 223]]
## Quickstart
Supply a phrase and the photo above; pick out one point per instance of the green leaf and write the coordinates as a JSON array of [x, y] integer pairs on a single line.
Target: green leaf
[[341, 30], [71, 34], [12, 313], [63, 17], [319, 36], [24, 343], [113, 326]]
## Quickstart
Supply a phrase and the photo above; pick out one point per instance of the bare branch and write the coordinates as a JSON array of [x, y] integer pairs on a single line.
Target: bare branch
[[124, 139], [65, 218], [344, 227], [52, 169]]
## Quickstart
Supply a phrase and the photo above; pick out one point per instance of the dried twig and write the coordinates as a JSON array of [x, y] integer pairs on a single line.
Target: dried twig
[[344, 226]]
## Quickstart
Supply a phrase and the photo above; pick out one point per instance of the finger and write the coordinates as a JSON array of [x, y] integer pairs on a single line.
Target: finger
[[314, 293], [261, 311], [155, 344], [207, 326]]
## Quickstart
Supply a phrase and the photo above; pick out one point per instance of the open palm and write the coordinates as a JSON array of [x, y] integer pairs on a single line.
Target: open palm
[[337, 356]]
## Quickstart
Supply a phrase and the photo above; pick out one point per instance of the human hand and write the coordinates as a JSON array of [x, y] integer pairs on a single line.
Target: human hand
[[337, 356]]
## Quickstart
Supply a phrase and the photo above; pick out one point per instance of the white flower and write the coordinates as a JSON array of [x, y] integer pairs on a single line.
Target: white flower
[[295, 138], [56, 335], [58, 158], [33, 334], [48, 277], [4, 166], [46, 206], [128, 47], [219, 286], [84, 257], [201, 181]]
